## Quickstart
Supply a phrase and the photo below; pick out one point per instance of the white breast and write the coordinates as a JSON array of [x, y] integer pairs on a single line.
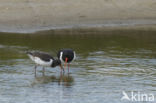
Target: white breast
[[74, 55], [39, 61], [61, 54]]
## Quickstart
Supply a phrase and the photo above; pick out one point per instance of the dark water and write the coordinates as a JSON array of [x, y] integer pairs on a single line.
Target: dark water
[[105, 66]]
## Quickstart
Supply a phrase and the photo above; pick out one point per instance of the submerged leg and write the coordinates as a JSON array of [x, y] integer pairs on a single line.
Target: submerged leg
[[43, 71], [61, 68], [35, 70], [68, 67]]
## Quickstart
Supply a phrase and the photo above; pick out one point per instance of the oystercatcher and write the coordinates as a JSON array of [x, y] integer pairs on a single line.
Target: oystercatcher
[[43, 59], [66, 56]]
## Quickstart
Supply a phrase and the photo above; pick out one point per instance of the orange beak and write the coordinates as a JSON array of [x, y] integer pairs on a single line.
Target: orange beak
[[65, 62]]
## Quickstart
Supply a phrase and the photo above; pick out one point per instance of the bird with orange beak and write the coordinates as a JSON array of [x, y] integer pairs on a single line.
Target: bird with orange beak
[[66, 56]]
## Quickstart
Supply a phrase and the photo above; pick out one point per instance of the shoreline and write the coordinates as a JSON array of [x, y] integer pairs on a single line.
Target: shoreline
[[29, 16], [91, 30], [103, 26]]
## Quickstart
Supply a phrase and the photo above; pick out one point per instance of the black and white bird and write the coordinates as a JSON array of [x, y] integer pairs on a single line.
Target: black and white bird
[[66, 56], [44, 59]]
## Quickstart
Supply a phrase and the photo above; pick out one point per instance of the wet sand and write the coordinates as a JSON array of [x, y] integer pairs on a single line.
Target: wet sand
[[37, 15]]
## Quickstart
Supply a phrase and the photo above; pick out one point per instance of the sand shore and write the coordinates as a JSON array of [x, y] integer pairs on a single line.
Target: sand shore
[[37, 15]]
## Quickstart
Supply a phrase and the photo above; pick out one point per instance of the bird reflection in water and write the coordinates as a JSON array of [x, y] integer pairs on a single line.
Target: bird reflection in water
[[62, 79]]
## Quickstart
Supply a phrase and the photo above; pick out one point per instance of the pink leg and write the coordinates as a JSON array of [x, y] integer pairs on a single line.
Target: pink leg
[[68, 67]]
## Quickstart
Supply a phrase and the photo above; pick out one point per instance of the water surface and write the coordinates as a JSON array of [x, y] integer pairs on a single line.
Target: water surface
[[105, 66]]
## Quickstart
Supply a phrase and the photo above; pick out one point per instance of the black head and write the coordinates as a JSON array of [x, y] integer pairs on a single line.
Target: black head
[[56, 63], [66, 54]]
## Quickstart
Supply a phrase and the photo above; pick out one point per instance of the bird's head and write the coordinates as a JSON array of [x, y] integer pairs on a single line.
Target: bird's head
[[56, 63]]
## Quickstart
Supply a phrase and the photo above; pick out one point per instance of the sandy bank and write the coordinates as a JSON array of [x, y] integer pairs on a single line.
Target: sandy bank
[[36, 15]]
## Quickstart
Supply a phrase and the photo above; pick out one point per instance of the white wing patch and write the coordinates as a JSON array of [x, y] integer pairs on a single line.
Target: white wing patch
[[39, 61]]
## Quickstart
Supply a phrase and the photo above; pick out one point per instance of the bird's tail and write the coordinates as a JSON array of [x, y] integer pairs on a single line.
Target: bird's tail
[[28, 52]]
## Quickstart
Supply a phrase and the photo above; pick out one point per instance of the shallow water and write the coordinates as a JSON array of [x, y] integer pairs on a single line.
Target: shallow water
[[105, 66]]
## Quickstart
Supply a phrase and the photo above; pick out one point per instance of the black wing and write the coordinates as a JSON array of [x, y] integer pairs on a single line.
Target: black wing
[[41, 55]]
